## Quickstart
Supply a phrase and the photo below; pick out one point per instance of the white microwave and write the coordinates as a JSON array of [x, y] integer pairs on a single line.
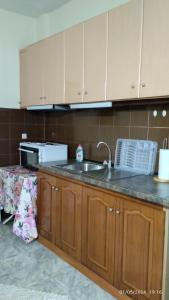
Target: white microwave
[[32, 154]]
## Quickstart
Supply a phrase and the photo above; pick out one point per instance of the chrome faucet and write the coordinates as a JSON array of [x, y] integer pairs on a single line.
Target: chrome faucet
[[109, 160]]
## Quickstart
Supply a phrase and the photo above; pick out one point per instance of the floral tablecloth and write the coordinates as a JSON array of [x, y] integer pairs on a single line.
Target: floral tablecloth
[[18, 194]]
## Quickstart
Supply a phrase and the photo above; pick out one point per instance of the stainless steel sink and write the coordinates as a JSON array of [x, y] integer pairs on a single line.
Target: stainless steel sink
[[83, 167], [94, 170]]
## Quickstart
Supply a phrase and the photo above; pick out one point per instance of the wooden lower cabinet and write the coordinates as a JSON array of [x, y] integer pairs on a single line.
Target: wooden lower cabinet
[[98, 233], [123, 242], [46, 202], [116, 237], [59, 213], [70, 217], [139, 250]]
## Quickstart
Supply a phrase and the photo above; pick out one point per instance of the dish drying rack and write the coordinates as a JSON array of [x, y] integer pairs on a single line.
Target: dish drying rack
[[136, 155]]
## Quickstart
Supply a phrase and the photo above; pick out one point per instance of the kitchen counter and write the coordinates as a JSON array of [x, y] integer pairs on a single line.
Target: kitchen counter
[[140, 186]]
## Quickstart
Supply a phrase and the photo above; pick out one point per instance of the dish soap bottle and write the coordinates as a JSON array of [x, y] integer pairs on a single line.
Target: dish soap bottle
[[79, 153]]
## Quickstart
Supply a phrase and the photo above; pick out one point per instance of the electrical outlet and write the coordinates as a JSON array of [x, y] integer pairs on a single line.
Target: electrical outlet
[[155, 113], [24, 136], [164, 113]]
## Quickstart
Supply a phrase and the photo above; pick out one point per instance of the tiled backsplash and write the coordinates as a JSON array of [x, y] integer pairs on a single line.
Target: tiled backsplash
[[90, 126], [13, 123], [86, 127]]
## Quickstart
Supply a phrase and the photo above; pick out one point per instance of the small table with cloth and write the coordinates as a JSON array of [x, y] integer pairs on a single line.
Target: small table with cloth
[[18, 195]]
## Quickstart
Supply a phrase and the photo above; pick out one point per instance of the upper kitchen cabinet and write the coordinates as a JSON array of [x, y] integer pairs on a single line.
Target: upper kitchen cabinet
[[95, 46], [31, 71], [74, 64], [23, 79], [53, 69], [155, 49], [42, 72], [124, 44]]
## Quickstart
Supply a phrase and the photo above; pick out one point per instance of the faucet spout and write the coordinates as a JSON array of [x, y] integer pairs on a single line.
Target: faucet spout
[[109, 151]]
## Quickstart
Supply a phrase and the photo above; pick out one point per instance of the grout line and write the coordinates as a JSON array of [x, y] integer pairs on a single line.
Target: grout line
[[152, 127], [130, 124], [148, 129], [44, 127], [24, 120]]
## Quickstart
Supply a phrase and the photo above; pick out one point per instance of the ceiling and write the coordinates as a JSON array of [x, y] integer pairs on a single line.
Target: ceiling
[[31, 8]]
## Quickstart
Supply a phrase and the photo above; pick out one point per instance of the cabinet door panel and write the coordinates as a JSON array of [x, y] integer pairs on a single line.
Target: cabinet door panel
[[95, 46], [124, 44], [139, 262], [98, 233], [155, 54], [71, 218], [46, 206], [23, 79], [34, 74], [74, 64], [53, 69], [56, 214]]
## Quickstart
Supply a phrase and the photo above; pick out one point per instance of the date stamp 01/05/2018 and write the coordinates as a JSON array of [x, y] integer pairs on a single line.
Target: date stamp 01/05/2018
[[140, 292]]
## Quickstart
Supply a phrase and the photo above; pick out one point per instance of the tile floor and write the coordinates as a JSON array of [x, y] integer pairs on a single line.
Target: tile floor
[[36, 268]]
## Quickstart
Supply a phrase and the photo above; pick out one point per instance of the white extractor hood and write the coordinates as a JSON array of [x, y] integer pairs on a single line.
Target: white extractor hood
[[103, 104]]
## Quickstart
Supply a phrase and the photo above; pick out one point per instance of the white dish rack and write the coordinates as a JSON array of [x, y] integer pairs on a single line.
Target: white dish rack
[[136, 155]]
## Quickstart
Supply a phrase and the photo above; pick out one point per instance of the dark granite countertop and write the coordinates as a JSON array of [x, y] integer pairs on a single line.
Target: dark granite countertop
[[140, 186]]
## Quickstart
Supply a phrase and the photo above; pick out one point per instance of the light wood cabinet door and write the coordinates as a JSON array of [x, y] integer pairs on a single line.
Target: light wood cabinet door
[[53, 69], [124, 44], [23, 79], [33, 72], [31, 85], [74, 64], [139, 250], [155, 49], [70, 217], [30, 75], [98, 233], [95, 47], [46, 206]]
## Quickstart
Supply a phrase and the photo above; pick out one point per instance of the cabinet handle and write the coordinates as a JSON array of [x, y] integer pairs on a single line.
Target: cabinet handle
[[132, 86], [117, 212], [143, 85], [86, 93], [79, 93], [44, 98], [55, 188], [110, 209]]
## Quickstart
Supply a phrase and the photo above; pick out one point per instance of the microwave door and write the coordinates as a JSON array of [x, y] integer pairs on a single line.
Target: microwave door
[[28, 157]]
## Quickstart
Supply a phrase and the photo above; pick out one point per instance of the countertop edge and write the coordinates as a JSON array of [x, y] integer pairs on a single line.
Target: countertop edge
[[113, 187]]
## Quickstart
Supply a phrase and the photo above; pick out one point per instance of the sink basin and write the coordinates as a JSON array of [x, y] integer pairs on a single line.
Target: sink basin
[[83, 167]]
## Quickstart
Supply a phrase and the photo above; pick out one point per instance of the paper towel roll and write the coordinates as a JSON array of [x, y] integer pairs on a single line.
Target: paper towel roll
[[163, 169]]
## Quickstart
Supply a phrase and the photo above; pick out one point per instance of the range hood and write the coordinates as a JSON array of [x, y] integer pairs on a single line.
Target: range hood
[[48, 107], [52, 107], [90, 105]]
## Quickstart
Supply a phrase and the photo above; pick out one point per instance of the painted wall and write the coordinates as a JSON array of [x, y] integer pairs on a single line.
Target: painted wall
[[74, 12], [16, 32]]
